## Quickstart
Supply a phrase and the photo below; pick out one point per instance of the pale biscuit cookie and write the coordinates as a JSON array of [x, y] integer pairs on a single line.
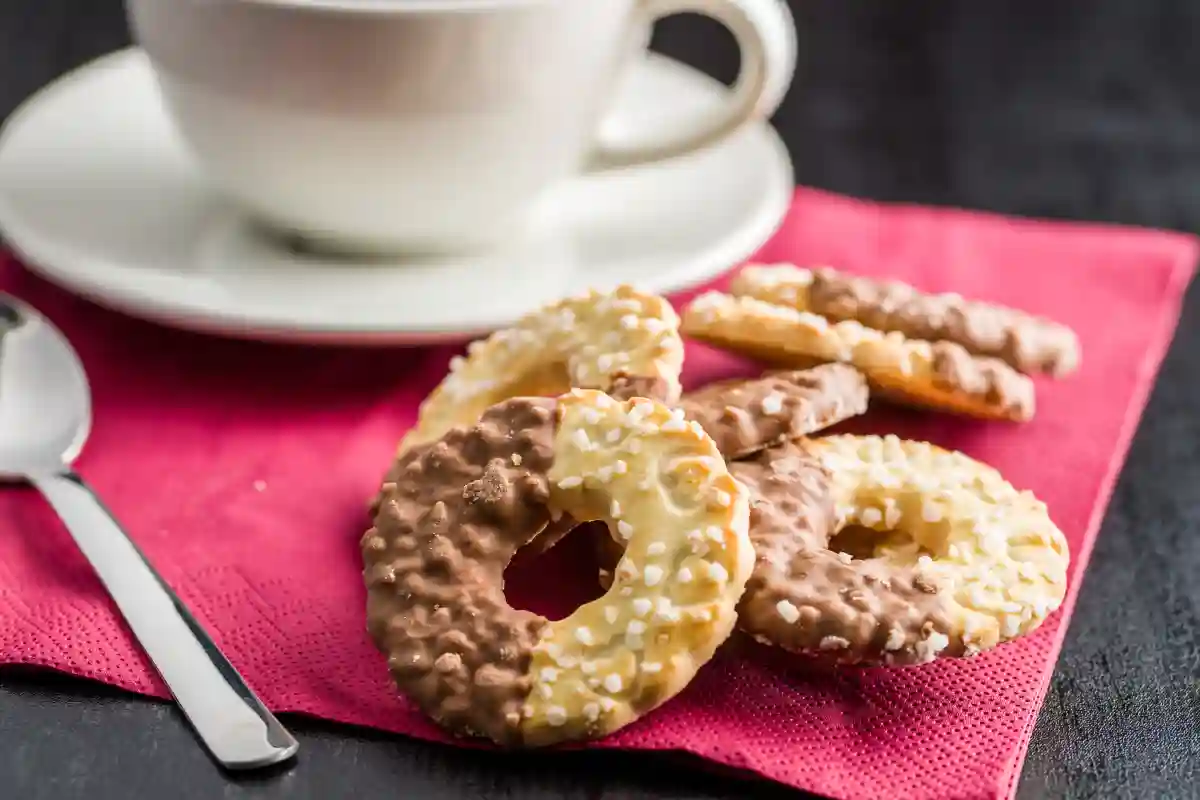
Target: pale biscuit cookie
[[590, 341], [939, 375], [458, 509], [1026, 342], [989, 554]]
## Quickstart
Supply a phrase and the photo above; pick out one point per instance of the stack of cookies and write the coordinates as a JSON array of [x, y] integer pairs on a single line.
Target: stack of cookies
[[720, 508], [932, 350]]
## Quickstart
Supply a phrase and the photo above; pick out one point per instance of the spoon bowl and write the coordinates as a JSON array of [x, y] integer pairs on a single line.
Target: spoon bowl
[[45, 404]]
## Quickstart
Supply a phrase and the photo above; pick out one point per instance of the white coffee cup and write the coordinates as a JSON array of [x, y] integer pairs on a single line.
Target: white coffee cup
[[400, 125]]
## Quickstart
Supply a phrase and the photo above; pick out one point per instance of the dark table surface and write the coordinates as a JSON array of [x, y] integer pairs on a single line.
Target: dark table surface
[[1084, 109]]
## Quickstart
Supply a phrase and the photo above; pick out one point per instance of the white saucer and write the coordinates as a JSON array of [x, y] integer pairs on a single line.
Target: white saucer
[[98, 194]]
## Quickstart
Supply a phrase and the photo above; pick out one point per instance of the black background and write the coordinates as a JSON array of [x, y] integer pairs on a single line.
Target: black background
[[1060, 108]]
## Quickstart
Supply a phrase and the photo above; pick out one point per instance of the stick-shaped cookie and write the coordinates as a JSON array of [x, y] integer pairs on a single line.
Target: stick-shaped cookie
[[938, 375], [1024, 341]]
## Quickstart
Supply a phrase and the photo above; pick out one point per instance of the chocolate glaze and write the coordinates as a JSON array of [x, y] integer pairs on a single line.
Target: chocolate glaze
[[446, 524]]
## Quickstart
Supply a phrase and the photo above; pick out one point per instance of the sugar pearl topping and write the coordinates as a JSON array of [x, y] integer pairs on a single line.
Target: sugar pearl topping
[[1026, 342], [966, 534], [646, 618], [555, 348], [907, 369]]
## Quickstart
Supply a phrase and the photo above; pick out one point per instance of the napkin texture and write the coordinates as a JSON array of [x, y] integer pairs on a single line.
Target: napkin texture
[[243, 471]]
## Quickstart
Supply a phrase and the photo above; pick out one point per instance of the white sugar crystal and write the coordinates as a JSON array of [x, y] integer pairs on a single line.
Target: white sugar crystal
[[684, 575], [651, 667], [641, 606], [570, 482], [613, 682], [788, 611], [717, 572], [665, 610], [583, 635], [723, 499], [891, 514], [624, 529], [610, 614], [640, 411], [652, 575], [549, 674], [591, 712], [636, 627], [871, 517], [614, 510], [556, 715], [656, 549], [772, 403]]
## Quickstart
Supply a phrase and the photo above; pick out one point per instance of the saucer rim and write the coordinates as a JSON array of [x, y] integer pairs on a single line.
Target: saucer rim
[[55, 263]]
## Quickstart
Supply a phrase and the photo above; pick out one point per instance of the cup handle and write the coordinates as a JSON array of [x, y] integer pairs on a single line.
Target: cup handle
[[766, 36]]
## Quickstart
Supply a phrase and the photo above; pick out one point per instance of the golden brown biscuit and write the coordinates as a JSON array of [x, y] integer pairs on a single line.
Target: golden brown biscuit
[[938, 375], [1025, 342]]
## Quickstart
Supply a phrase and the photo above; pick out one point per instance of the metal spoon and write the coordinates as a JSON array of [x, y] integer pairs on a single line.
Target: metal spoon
[[45, 414]]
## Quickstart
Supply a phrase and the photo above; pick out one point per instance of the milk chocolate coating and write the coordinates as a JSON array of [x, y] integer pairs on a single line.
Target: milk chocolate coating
[[448, 521], [1005, 394], [799, 402], [1026, 342], [627, 387], [848, 612]]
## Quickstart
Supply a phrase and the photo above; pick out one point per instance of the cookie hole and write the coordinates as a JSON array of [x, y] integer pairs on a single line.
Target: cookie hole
[[554, 582], [857, 540], [863, 543]]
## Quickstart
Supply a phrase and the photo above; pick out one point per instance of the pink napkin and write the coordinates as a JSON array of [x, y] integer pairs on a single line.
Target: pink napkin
[[243, 472]]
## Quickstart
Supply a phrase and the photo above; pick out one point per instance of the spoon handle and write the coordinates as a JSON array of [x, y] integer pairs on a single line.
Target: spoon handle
[[231, 721]]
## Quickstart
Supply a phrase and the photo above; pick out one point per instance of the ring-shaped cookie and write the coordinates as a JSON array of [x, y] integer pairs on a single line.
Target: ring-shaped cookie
[[938, 375], [625, 341], [963, 560], [1026, 342], [457, 511], [960, 562]]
